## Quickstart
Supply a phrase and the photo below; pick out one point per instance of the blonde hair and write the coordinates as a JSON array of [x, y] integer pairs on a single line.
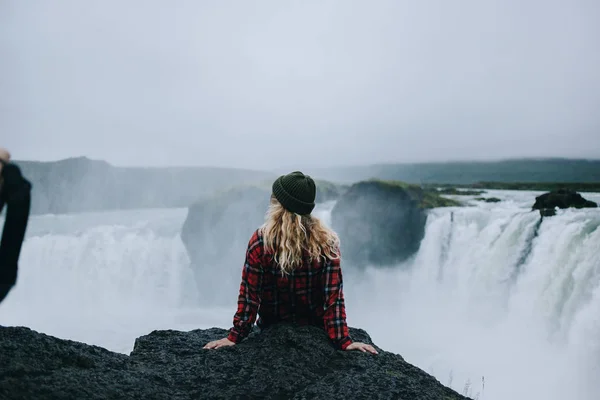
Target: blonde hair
[[288, 235]]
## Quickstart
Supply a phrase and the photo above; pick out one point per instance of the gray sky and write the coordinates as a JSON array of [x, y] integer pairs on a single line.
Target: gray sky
[[269, 84]]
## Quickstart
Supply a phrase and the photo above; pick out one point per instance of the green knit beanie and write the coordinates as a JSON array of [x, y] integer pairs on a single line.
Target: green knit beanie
[[296, 192]]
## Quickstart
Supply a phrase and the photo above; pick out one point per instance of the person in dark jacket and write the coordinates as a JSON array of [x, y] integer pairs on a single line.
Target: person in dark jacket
[[292, 270], [15, 194]]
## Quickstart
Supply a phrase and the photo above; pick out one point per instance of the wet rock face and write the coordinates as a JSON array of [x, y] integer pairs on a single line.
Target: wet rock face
[[216, 233], [281, 362], [563, 198], [378, 224]]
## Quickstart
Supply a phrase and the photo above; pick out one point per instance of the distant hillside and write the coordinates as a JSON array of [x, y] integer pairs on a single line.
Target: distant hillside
[[81, 184], [525, 170]]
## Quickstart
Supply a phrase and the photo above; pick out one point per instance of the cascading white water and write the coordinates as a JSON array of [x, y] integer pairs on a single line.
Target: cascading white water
[[496, 303], [106, 278], [492, 296], [114, 265]]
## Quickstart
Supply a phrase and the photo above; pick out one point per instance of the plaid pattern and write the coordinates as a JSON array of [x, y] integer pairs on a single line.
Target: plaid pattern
[[310, 295]]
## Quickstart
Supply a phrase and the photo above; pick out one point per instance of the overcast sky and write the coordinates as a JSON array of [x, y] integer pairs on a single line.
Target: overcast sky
[[271, 84]]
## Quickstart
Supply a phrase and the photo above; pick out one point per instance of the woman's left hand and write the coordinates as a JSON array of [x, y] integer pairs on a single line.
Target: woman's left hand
[[215, 344]]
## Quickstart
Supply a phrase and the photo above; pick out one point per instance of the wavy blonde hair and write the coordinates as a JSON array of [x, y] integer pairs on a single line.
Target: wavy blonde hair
[[288, 236]]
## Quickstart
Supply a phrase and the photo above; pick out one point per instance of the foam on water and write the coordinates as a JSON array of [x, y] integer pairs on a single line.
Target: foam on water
[[492, 298], [106, 278], [469, 307]]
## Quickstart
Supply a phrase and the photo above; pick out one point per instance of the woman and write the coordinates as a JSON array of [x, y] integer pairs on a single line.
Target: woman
[[292, 270]]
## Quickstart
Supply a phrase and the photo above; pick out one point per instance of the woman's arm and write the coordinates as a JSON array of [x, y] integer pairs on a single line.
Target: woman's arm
[[250, 288], [335, 309], [249, 296]]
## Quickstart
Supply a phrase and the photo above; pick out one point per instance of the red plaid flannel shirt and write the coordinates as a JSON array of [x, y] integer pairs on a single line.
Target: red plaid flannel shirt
[[310, 295]]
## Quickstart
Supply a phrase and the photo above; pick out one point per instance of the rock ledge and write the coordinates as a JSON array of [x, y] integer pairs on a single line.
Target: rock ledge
[[281, 362]]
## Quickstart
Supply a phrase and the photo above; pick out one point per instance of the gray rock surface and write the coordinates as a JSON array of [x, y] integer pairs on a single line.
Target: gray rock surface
[[378, 224], [283, 362]]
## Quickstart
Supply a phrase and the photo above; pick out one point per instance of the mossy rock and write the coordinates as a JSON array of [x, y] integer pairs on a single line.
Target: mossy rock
[[424, 198], [562, 198], [382, 223]]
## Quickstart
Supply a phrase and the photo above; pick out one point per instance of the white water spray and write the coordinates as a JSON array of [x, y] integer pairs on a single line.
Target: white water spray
[[494, 296], [491, 297]]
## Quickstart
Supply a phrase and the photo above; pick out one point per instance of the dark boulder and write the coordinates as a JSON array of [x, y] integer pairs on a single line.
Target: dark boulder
[[37, 366], [283, 362], [382, 223], [489, 199], [562, 198]]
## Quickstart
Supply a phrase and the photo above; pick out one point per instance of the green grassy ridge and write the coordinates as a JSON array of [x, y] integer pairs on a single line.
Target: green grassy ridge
[[533, 186], [426, 198], [458, 192]]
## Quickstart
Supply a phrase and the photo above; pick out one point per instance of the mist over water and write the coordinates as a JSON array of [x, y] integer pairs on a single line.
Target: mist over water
[[487, 301], [494, 303]]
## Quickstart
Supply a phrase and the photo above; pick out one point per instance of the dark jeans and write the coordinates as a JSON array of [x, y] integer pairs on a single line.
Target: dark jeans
[[4, 289], [15, 193]]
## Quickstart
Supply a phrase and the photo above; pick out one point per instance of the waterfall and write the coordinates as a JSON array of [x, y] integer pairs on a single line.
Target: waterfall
[[494, 295]]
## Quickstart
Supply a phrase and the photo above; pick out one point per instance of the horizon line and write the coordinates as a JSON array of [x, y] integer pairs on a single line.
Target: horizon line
[[342, 166]]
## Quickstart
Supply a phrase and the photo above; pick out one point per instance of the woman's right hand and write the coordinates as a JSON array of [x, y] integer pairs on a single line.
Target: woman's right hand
[[365, 348]]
